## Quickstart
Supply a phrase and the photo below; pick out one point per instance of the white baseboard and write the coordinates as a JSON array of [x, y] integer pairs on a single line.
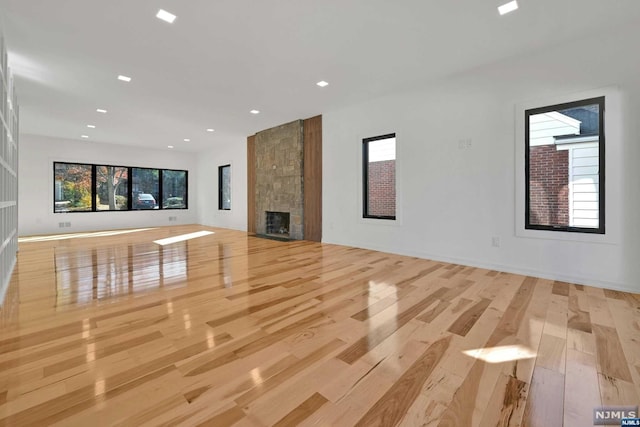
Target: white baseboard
[[588, 281]]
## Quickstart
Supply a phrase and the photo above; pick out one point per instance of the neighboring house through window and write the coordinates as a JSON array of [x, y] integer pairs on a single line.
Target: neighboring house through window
[[564, 167]]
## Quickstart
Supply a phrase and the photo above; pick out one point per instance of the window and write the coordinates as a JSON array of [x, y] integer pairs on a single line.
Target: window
[[224, 187], [379, 177], [91, 188], [174, 189], [112, 188], [72, 187], [564, 167], [146, 188]]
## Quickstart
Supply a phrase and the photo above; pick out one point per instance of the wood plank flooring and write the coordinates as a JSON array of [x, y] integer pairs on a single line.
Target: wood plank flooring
[[230, 329]]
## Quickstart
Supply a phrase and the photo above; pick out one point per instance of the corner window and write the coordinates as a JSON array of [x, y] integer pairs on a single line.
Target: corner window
[[564, 167], [72, 187], [379, 177], [224, 187]]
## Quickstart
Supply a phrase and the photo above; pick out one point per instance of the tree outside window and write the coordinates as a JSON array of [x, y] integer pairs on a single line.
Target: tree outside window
[[174, 189], [112, 188], [72, 191]]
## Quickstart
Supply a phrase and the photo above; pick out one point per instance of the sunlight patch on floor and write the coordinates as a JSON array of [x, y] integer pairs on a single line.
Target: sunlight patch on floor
[[182, 237], [505, 353], [78, 235]]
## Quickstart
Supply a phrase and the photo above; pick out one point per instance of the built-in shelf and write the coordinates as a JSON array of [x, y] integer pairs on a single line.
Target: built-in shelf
[[8, 172]]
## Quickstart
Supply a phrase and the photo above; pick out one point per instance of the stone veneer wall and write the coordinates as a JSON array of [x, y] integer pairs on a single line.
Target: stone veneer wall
[[279, 172]]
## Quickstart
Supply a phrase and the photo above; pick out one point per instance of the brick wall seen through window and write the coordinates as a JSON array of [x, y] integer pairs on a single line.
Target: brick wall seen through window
[[379, 177]]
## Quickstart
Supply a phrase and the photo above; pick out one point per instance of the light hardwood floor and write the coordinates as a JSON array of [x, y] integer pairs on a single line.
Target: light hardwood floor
[[230, 329]]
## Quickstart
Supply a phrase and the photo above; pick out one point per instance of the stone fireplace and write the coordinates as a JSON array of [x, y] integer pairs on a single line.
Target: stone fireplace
[[279, 193]]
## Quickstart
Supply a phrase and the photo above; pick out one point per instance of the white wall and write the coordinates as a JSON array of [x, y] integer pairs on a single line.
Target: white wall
[[235, 154], [35, 185], [452, 201]]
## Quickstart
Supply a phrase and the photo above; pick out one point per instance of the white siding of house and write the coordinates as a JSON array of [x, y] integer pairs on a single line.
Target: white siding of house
[[544, 127], [583, 182], [583, 179]]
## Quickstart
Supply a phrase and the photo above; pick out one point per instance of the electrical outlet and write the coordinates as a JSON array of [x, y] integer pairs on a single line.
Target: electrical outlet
[[495, 241], [67, 224], [61, 224]]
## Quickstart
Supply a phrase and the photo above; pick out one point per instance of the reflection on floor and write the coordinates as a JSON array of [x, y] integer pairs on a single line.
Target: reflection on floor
[[230, 329]]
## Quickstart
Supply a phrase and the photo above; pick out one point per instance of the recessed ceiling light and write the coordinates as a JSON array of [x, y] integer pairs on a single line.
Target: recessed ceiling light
[[100, 110], [186, 140], [169, 146], [84, 136], [210, 130], [91, 126], [166, 16], [124, 78], [322, 83], [508, 7], [255, 111]]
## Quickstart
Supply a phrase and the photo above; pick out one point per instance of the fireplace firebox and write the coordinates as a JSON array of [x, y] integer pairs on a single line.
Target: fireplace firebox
[[277, 224]]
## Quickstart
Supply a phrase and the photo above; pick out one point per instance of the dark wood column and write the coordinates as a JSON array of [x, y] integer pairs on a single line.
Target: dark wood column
[[313, 179], [251, 184]]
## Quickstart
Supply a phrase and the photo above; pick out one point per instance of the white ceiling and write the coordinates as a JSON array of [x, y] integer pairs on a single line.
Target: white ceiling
[[222, 58]]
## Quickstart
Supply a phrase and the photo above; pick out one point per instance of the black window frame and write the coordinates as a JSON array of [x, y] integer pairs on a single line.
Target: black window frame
[[365, 177], [220, 189], [600, 101], [94, 194]]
